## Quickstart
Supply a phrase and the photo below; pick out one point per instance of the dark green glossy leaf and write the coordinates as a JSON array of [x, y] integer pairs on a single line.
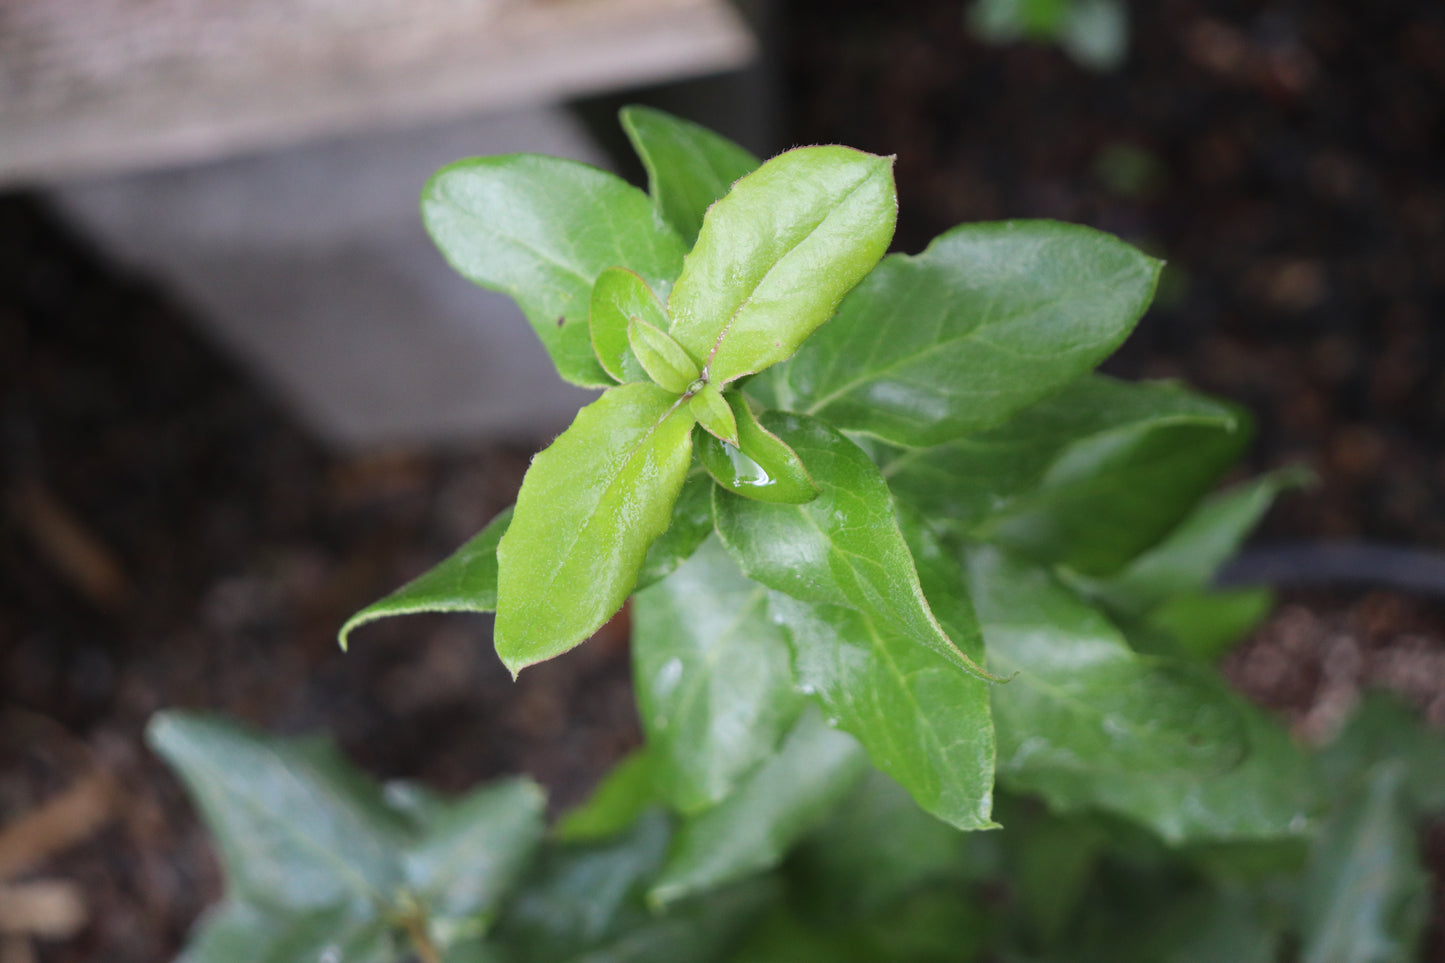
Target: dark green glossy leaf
[[714, 688], [688, 166], [624, 794], [776, 255], [1206, 625], [583, 895], [1198, 926], [773, 808], [618, 297], [470, 850], [878, 847], [1188, 557], [844, 548], [466, 581], [1365, 894], [1383, 728], [1089, 723], [236, 932], [1052, 860], [297, 826], [987, 320], [923, 721], [585, 905], [1088, 478], [589, 507], [761, 466], [541, 229], [714, 414], [691, 524], [661, 357]]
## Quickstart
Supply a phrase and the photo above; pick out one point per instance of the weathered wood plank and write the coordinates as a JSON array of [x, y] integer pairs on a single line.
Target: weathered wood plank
[[91, 86]]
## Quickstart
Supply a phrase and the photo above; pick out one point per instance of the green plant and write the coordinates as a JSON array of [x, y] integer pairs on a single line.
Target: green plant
[[901, 576], [1095, 33]]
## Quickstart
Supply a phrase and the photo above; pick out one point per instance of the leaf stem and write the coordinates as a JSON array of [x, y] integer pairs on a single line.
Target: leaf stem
[[414, 923]]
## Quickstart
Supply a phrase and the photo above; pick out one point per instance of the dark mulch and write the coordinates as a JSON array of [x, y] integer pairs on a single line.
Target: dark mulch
[[170, 538]]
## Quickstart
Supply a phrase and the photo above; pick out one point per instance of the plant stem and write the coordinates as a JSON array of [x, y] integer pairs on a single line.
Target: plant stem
[[415, 925]]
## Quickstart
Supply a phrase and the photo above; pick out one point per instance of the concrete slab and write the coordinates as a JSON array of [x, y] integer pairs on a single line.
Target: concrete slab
[[313, 267]]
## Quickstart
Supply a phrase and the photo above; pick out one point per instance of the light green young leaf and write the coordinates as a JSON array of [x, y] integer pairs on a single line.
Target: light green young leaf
[[753, 829], [297, 826], [691, 525], [618, 297], [661, 357], [714, 414], [236, 932], [466, 581], [921, 719], [470, 851], [688, 166], [1088, 478], [714, 688], [844, 548], [777, 254], [989, 319], [760, 466], [589, 507], [1365, 897], [625, 793], [541, 229], [1087, 723]]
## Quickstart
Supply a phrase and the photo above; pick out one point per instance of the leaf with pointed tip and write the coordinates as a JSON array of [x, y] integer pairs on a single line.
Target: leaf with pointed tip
[[714, 414], [619, 296], [1365, 896], [989, 319], [589, 508], [661, 357], [625, 793], [923, 720], [1188, 557], [714, 688], [297, 826], [542, 229], [690, 526], [1206, 624], [1088, 478], [843, 548], [776, 255], [688, 166], [470, 851], [760, 466], [466, 581], [1088, 723], [751, 830]]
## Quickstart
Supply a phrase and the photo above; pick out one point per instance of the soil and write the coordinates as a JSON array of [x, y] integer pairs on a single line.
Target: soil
[[171, 538]]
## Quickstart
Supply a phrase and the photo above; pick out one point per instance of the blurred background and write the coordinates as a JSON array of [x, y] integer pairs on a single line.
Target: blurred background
[[241, 396]]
